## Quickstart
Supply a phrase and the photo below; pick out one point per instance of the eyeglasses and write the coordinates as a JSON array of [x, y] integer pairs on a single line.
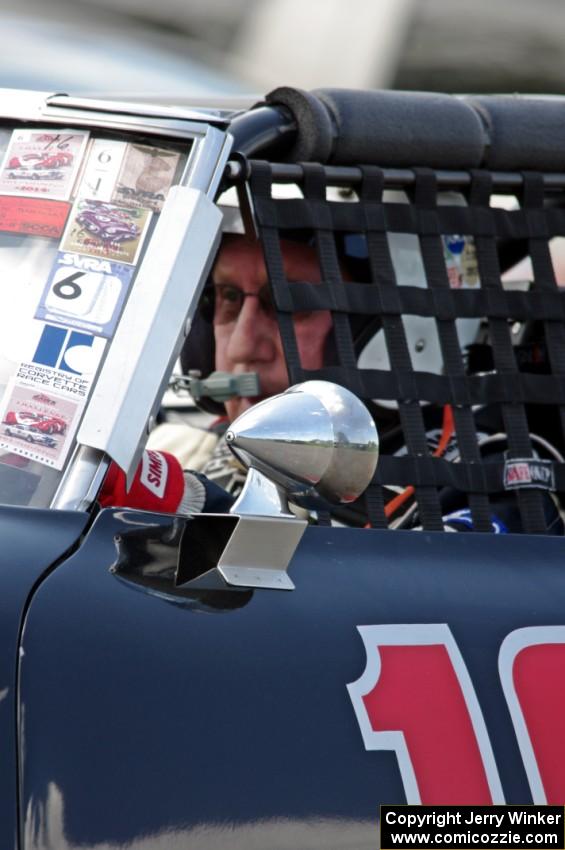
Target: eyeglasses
[[223, 302]]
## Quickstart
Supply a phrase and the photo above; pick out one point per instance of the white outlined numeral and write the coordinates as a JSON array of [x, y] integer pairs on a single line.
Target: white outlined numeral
[[531, 664], [416, 697]]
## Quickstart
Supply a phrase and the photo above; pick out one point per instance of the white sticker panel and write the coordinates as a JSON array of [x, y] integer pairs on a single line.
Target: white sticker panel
[[107, 231], [86, 293], [42, 163], [100, 175], [37, 424], [146, 176]]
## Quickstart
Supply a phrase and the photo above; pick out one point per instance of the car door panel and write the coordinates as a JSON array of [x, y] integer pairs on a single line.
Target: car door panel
[[32, 542], [222, 718]]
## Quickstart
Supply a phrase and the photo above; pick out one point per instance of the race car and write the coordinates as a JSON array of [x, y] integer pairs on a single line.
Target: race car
[[30, 435], [108, 223], [60, 159], [36, 160], [13, 417], [22, 173], [269, 675], [36, 422], [52, 425]]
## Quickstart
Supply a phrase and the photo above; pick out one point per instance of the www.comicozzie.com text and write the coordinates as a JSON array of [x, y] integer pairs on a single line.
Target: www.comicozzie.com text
[[460, 827]]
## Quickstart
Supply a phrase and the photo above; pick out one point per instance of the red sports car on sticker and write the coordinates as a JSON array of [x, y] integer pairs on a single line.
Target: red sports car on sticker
[[56, 160], [36, 422], [53, 425]]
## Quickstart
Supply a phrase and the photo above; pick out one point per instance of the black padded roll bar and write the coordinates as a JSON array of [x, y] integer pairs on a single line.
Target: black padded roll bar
[[401, 129]]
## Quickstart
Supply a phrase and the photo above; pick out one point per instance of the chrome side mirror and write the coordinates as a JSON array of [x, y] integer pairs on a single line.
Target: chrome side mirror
[[316, 441]]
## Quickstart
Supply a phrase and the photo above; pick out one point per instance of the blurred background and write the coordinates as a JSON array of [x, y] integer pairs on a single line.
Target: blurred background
[[190, 49]]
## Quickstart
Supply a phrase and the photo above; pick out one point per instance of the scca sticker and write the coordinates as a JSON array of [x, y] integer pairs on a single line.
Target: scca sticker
[[34, 216], [85, 292]]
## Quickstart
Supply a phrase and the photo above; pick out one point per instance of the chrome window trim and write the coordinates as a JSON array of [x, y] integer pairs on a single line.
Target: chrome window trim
[[146, 110], [148, 119]]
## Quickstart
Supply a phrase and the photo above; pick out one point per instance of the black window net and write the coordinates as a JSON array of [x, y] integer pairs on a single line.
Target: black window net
[[463, 366]]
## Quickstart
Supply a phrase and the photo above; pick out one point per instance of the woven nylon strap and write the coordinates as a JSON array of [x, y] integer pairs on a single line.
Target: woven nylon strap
[[506, 386]]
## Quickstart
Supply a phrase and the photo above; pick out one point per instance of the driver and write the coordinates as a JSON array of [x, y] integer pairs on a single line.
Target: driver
[[247, 339], [246, 330]]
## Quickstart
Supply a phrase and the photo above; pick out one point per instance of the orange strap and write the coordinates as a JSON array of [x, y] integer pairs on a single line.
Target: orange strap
[[446, 435]]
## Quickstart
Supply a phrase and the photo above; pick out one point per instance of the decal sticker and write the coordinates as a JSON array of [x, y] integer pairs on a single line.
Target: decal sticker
[[41, 162], [146, 176], [528, 472], [71, 351], [460, 255], [84, 292], [38, 425], [102, 166], [531, 665], [35, 216], [112, 232], [64, 360], [416, 698]]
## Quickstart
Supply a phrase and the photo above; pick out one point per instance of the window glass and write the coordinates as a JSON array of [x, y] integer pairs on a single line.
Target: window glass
[[77, 211]]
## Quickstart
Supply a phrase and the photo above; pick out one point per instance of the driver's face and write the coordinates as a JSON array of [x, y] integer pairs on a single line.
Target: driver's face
[[246, 331]]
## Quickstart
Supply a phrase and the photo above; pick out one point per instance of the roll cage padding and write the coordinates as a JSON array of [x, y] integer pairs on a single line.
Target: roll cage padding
[[400, 129]]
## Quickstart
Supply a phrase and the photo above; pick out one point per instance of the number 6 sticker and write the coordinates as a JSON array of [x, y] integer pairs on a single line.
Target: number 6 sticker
[[85, 293], [103, 164], [83, 296]]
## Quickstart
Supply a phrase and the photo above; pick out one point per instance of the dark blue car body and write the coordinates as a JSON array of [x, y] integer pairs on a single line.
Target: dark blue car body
[[147, 717]]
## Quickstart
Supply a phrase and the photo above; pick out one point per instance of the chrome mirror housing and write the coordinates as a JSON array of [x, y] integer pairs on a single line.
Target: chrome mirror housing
[[313, 444], [316, 441]]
